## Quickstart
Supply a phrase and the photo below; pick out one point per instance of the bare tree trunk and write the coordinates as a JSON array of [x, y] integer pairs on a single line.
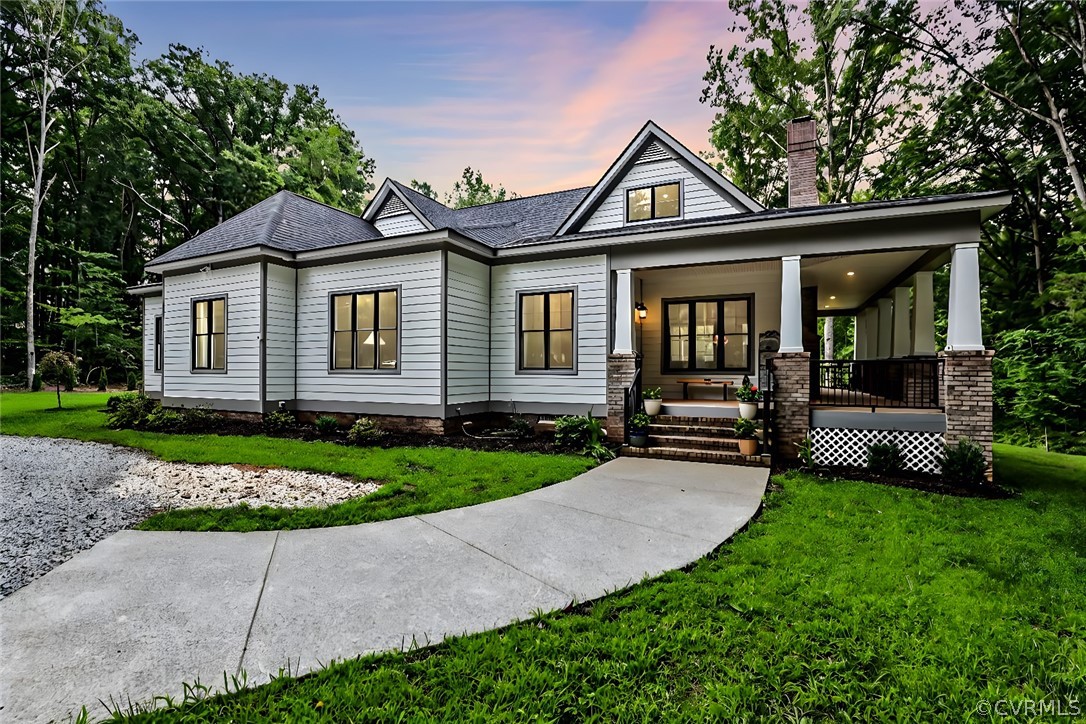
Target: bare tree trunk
[[827, 338]]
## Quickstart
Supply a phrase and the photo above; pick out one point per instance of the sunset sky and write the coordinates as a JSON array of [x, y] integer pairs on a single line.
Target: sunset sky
[[539, 96]]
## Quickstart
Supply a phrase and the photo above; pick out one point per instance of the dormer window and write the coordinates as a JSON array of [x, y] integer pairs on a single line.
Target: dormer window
[[653, 202]]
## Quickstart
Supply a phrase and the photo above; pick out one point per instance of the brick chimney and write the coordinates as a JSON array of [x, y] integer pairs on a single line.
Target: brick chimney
[[802, 166]]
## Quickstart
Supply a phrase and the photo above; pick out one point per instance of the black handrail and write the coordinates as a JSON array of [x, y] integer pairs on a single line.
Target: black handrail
[[874, 383], [767, 415], [633, 402]]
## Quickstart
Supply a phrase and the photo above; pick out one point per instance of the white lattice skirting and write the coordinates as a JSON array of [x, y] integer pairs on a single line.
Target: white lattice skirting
[[842, 446]]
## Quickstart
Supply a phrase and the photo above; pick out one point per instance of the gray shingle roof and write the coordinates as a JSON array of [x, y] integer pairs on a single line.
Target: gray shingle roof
[[285, 221]]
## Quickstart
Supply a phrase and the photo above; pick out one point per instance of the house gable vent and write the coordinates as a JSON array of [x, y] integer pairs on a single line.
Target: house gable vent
[[393, 207], [654, 152]]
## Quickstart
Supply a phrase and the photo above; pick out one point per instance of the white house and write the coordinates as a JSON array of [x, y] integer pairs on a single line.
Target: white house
[[562, 303]]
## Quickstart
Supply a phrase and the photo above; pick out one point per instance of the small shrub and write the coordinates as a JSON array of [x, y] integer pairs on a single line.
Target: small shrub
[[964, 464], [651, 393], [72, 379], [806, 453], [103, 380], [162, 419], [364, 431], [327, 425], [520, 427], [133, 381], [35, 384], [885, 457], [129, 411], [748, 393], [745, 428], [278, 421], [640, 421], [200, 419], [582, 433], [57, 368]]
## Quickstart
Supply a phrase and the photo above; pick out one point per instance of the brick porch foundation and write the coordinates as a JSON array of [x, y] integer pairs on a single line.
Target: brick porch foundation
[[792, 398], [967, 397], [620, 374]]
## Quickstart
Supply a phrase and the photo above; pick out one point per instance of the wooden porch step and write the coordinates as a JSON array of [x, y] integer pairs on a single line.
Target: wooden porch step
[[695, 456], [694, 442]]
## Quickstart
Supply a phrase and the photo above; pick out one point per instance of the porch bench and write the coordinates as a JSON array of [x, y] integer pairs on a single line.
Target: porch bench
[[707, 381]]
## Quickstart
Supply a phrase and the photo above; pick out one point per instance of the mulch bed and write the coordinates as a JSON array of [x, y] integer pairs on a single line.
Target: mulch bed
[[926, 482]]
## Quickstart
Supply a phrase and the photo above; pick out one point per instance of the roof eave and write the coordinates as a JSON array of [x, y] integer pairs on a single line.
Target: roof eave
[[254, 251]]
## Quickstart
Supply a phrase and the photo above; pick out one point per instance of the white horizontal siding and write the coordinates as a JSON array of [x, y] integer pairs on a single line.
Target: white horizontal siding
[[152, 381], [419, 379], [279, 320], [467, 331], [698, 199], [588, 277], [241, 381], [399, 225]]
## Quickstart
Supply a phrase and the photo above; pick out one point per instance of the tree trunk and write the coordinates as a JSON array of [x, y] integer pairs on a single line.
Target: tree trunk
[[59, 406], [827, 338], [32, 244]]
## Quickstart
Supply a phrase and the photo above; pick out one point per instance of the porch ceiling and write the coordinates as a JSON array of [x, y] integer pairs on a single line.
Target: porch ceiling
[[870, 274]]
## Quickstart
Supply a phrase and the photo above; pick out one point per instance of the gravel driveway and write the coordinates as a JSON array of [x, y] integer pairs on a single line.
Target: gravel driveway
[[58, 497]]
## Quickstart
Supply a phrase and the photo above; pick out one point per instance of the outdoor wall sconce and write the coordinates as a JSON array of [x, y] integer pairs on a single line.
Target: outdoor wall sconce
[[642, 310]]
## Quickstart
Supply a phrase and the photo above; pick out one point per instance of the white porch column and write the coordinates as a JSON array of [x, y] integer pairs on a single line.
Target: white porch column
[[872, 316], [886, 327], [923, 315], [859, 335], [624, 311], [902, 344], [963, 332], [791, 306]]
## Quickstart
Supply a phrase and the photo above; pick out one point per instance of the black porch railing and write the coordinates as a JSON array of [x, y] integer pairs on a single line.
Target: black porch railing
[[912, 383], [633, 402]]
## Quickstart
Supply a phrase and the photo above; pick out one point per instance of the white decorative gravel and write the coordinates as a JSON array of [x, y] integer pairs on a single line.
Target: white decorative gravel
[[58, 497]]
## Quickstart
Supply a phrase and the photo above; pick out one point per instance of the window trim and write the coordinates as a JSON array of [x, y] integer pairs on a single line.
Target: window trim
[[193, 301], [626, 203], [665, 336], [331, 327], [157, 347], [519, 333]]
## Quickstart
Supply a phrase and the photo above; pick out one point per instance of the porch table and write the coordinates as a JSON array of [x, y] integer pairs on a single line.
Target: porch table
[[707, 381]]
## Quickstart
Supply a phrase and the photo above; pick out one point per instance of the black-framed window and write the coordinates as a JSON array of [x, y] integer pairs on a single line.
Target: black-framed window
[[653, 202], [209, 334], [715, 334], [546, 328], [158, 344], [366, 330]]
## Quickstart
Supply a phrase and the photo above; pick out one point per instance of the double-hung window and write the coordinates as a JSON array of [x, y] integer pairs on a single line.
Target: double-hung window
[[158, 344], [366, 331], [708, 334], [209, 334], [653, 202], [546, 331]]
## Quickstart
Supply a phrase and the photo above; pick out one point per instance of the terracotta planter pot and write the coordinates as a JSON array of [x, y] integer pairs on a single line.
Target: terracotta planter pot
[[748, 446], [748, 410], [652, 407]]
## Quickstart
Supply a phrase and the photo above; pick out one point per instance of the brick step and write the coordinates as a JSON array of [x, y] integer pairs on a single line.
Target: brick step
[[695, 456], [692, 430], [693, 442], [703, 421]]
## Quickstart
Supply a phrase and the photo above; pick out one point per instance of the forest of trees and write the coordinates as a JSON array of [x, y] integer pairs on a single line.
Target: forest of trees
[[108, 162]]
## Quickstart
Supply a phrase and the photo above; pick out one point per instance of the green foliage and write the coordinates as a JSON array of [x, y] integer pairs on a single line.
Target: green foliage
[[35, 386], [806, 453], [520, 428], [471, 190], [748, 393], [326, 425], [651, 393], [163, 419], [584, 434], [964, 464], [278, 421], [201, 418], [745, 428], [57, 368], [640, 421], [132, 382], [810, 613], [885, 457], [424, 188], [364, 431], [129, 411], [72, 378], [103, 379]]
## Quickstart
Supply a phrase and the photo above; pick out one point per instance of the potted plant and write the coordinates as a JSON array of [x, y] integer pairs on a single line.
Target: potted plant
[[653, 400], [639, 430], [748, 397], [744, 430]]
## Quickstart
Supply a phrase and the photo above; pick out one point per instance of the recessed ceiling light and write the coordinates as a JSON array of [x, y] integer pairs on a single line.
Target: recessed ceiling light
[[832, 297], [851, 274]]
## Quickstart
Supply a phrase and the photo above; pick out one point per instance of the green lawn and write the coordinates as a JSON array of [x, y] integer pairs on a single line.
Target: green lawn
[[843, 600], [415, 480]]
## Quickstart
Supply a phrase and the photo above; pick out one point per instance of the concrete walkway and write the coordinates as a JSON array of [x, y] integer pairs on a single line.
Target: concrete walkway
[[142, 612]]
